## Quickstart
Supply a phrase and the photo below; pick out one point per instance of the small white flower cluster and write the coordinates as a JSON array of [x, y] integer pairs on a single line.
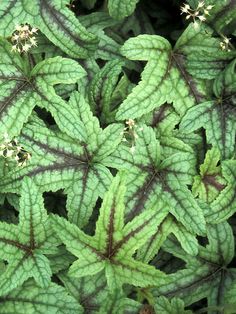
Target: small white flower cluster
[[10, 150], [198, 15], [224, 44], [23, 38], [130, 134]]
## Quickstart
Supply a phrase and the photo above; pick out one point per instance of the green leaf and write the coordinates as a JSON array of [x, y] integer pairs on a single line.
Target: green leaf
[[230, 296], [210, 182], [162, 120], [224, 205], [164, 79], [147, 252], [24, 245], [207, 275], [204, 57], [60, 161], [22, 89], [30, 298], [155, 179], [90, 294], [118, 303], [54, 19], [101, 89], [223, 16], [175, 306], [95, 296], [108, 47], [113, 245], [120, 9], [218, 116]]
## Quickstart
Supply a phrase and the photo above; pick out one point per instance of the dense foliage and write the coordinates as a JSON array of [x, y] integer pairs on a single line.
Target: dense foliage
[[117, 156]]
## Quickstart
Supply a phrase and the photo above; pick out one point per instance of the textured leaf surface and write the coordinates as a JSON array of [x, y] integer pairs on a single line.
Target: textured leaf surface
[[210, 182], [176, 306], [102, 87], [21, 89], [224, 205], [31, 299], [207, 275], [217, 117], [23, 245], [204, 57], [119, 9], [164, 79], [112, 246], [155, 179], [60, 161]]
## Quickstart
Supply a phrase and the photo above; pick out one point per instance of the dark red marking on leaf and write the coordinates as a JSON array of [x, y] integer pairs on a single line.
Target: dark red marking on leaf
[[67, 156], [22, 86], [153, 237], [59, 19], [179, 61], [211, 180], [159, 115], [87, 300], [178, 290], [131, 234], [18, 245], [141, 195]]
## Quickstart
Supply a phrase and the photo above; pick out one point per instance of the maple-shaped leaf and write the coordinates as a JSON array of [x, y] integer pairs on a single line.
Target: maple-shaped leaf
[[166, 77], [210, 182], [218, 116], [224, 205], [24, 245], [59, 161], [31, 299], [154, 176], [54, 19], [205, 59], [206, 275], [21, 89], [114, 244], [95, 297]]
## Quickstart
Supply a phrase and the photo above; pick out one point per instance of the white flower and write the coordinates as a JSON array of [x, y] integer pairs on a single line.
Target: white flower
[[202, 18], [201, 4], [23, 38], [33, 41], [26, 47], [34, 30], [224, 44], [130, 122], [209, 7], [200, 12], [14, 48]]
